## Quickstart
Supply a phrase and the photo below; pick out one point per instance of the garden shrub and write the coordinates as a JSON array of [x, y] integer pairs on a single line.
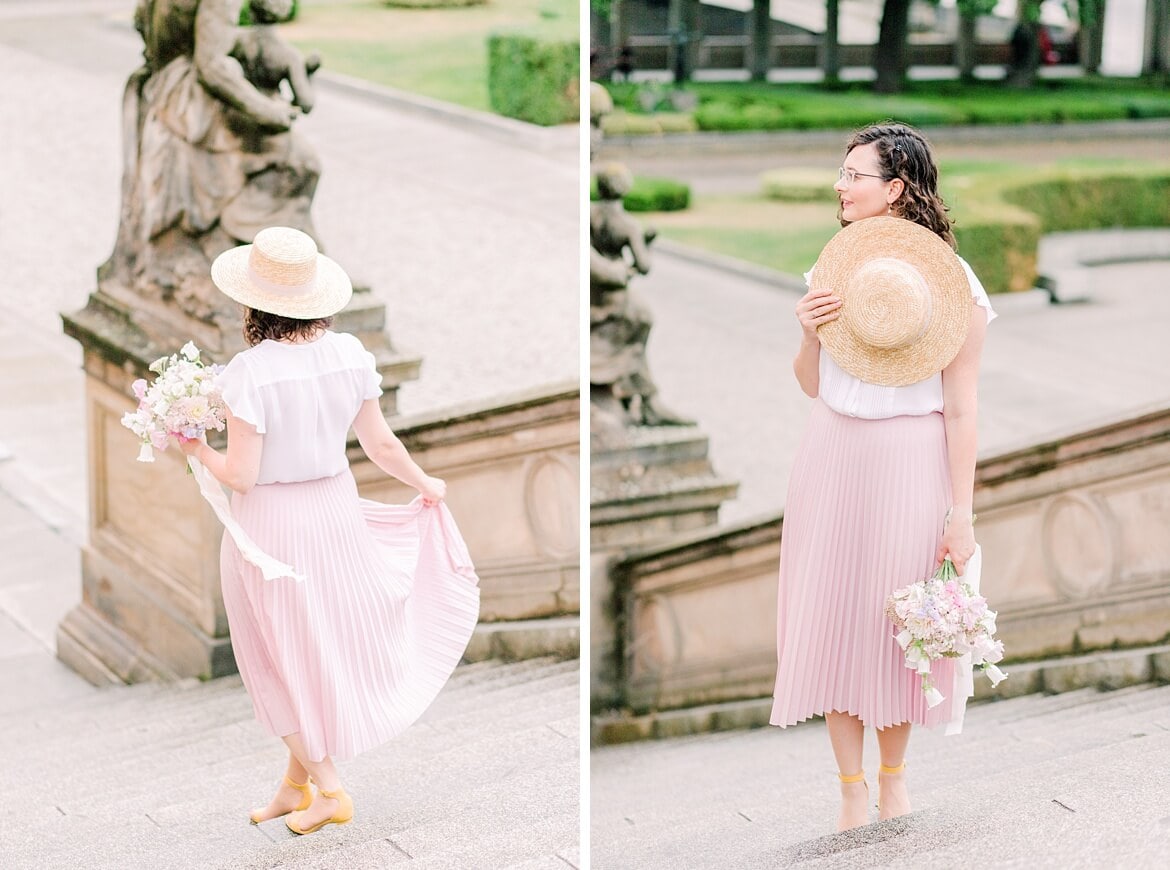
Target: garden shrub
[[652, 194], [532, 79], [798, 184]]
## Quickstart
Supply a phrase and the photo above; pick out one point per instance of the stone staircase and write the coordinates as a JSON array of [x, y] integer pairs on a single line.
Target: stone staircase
[[158, 775], [1060, 781]]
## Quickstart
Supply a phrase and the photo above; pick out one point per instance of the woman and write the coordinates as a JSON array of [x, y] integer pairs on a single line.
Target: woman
[[348, 654], [881, 492]]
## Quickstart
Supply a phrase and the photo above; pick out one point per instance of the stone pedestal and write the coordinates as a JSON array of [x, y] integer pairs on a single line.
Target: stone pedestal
[[151, 604], [648, 485]]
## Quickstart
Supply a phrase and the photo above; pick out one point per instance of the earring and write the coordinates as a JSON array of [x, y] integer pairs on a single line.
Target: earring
[[889, 208]]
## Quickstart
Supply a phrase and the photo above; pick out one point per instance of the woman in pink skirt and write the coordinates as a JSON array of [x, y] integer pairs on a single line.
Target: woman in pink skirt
[[379, 601], [880, 492]]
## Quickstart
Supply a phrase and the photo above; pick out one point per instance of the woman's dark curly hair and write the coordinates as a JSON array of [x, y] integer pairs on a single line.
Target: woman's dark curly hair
[[259, 325], [904, 153]]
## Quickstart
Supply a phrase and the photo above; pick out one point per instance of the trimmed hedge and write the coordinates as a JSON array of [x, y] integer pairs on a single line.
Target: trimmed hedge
[[534, 80], [741, 106], [652, 194], [1002, 247], [799, 185]]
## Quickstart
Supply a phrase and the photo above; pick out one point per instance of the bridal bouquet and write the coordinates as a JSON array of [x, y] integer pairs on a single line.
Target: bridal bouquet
[[942, 616], [183, 401]]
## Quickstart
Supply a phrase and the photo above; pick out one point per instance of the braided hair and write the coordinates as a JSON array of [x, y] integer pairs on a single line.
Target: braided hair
[[904, 153]]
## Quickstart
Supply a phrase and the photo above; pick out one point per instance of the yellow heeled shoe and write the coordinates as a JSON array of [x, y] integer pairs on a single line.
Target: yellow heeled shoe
[[851, 778], [306, 799], [341, 816], [888, 771]]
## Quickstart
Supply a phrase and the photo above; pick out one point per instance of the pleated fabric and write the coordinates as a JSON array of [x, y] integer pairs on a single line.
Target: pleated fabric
[[864, 516], [354, 654]]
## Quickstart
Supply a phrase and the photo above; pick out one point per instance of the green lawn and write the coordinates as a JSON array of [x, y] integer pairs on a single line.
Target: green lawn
[[439, 53], [731, 106], [788, 236]]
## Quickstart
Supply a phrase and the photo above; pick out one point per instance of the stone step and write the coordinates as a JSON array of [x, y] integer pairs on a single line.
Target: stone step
[[112, 707], [516, 640], [1109, 719], [169, 729], [986, 818], [170, 781]]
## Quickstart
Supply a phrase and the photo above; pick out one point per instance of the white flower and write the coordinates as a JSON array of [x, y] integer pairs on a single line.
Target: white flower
[[934, 697], [904, 637], [190, 351], [146, 454], [995, 675]]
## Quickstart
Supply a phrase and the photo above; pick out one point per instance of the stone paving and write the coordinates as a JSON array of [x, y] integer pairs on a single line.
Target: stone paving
[[1062, 781]]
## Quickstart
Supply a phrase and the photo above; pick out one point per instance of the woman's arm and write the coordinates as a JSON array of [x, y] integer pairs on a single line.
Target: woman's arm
[[240, 468], [960, 414], [812, 310], [390, 455]]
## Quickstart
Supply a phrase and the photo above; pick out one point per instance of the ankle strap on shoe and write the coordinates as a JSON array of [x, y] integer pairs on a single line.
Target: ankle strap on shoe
[[882, 768], [854, 777], [300, 786]]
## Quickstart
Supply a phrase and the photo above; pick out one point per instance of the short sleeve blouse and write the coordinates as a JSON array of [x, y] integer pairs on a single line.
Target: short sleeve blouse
[[852, 397], [303, 398]]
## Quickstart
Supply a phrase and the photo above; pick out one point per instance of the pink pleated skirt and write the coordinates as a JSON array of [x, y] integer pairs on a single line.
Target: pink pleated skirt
[[864, 516], [353, 654]]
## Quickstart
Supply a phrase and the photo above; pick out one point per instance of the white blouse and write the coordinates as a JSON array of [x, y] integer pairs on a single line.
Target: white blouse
[[852, 397], [302, 398]]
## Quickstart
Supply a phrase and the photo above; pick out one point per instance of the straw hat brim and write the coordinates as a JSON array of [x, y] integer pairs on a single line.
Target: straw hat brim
[[946, 281], [328, 294]]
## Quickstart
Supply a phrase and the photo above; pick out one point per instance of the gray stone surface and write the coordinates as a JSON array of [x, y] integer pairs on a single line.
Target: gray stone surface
[[1044, 781], [152, 776]]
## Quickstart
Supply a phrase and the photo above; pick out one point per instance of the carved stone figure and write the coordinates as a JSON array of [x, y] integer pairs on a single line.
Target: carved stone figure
[[622, 393], [210, 155]]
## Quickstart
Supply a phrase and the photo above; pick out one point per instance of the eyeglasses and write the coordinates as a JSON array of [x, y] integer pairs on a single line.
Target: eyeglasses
[[849, 176]]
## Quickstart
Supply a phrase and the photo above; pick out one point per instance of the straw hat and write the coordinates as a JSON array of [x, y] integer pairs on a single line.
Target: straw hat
[[282, 273], [905, 301]]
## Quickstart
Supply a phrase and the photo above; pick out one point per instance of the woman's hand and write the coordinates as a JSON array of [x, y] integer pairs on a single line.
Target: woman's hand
[[190, 446], [432, 491], [814, 308], [958, 542]]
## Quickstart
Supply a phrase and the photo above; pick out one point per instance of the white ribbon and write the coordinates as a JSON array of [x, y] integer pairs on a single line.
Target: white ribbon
[[963, 686], [212, 491]]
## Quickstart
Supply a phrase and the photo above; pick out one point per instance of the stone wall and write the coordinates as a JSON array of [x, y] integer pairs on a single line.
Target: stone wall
[[1076, 558], [512, 468], [151, 606]]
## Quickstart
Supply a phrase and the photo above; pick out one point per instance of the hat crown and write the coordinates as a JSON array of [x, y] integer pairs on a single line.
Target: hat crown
[[889, 304], [283, 258]]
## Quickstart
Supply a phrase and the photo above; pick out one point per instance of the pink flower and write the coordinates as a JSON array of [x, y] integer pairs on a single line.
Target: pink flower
[[139, 388]]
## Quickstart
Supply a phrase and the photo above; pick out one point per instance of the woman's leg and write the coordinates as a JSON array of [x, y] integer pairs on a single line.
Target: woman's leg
[[324, 774], [893, 799], [286, 798], [847, 735]]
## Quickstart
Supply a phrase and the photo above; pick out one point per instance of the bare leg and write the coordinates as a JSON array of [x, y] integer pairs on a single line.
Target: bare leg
[[286, 798], [847, 735], [324, 774], [893, 799]]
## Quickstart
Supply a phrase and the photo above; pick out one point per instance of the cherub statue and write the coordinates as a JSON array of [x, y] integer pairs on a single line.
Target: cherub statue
[[268, 59], [621, 389]]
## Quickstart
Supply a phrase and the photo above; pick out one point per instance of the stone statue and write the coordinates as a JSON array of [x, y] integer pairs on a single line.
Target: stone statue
[[210, 155], [622, 393]]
